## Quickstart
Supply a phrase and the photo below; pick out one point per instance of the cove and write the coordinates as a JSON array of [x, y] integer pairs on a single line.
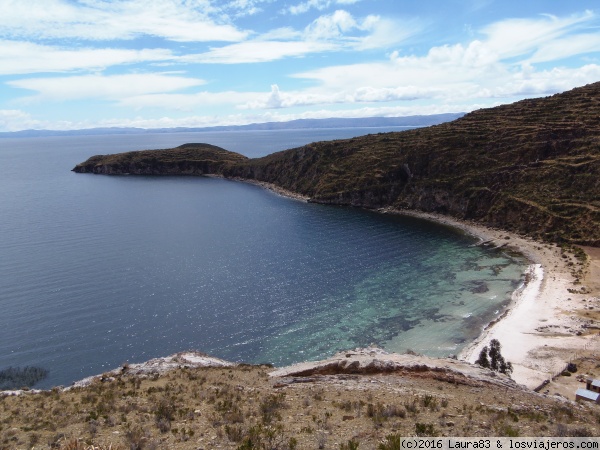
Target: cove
[[98, 271]]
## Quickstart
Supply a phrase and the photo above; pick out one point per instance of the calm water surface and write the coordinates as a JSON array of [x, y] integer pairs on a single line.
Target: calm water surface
[[96, 271]]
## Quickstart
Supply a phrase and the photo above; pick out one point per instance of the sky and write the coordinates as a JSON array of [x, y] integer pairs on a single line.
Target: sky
[[73, 64]]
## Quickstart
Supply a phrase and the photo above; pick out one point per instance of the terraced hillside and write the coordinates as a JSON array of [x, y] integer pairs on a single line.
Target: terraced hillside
[[531, 167]]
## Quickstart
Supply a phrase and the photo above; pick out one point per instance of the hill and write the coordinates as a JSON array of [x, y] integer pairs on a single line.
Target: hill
[[187, 159], [299, 124], [531, 167], [364, 396]]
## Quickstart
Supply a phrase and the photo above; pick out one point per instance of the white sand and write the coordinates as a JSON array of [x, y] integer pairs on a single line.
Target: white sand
[[538, 333]]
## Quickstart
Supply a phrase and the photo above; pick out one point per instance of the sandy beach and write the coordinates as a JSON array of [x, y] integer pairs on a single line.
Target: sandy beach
[[550, 320]]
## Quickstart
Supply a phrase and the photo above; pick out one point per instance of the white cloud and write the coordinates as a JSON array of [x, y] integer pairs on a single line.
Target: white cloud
[[566, 47], [277, 99], [187, 102], [487, 68], [274, 100], [368, 33], [113, 87], [385, 32], [317, 4], [519, 37], [177, 20], [449, 77], [339, 31], [545, 82], [258, 51], [25, 57], [15, 120], [331, 26], [502, 62], [245, 7]]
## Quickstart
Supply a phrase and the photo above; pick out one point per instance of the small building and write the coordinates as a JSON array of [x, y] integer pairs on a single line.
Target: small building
[[592, 385], [587, 395]]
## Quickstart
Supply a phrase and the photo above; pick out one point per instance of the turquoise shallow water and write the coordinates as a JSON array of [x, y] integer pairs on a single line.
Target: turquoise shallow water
[[96, 270]]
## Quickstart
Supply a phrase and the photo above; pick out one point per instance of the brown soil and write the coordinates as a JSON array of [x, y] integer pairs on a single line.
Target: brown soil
[[230, 407], [586, 359]]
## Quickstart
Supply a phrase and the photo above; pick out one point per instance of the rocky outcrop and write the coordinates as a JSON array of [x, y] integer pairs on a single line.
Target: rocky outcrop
[[373, 360], [153, 367], [158, 366], [187, 159], [360, 361]]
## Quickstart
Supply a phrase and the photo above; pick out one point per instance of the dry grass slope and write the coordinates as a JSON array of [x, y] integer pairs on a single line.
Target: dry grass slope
[[242, 408]]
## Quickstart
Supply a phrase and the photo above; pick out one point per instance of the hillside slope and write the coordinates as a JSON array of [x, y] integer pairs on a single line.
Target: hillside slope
[[531, 167], [191, 401], [187, 159]]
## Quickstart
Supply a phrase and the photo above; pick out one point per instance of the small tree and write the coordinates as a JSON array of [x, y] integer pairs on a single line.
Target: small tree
[[491, 358], [483, 359]]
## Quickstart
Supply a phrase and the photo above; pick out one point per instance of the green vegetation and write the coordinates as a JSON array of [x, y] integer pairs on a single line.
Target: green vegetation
[[391, 442], [491, 358], [425, 429]]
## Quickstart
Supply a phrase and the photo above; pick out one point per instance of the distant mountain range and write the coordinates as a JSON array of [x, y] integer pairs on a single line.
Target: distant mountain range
[[367, 122]]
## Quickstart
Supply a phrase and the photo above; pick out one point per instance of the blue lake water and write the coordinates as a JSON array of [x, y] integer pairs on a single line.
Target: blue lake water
[[96, 270]]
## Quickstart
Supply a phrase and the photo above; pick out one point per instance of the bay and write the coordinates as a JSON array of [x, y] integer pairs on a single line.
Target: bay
[[96, 271]]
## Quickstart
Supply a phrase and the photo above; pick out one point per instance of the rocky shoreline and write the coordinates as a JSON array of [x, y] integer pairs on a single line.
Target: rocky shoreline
[[361, 361]]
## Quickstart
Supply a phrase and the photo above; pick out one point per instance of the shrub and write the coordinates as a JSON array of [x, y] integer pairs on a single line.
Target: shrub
[[491, 358], [506, 430], [270, 406], [350, 445], [164, 413], [235, 433], [261, 437], [135, 438], [425, 429], [391, 442]]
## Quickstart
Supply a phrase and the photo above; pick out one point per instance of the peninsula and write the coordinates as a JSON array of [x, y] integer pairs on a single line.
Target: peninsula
[[531, 167]]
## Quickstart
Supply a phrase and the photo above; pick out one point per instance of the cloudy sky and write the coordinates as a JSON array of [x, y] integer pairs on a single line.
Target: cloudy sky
[[68, 64]]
